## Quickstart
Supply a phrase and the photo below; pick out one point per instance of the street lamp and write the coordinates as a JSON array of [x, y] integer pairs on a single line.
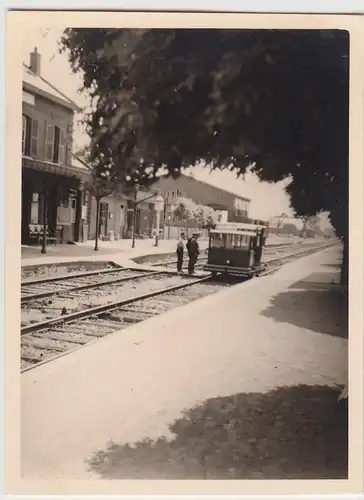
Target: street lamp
[[158, 205]]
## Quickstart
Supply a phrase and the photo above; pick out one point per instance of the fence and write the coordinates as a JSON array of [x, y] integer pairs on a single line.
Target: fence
[[173, 232]]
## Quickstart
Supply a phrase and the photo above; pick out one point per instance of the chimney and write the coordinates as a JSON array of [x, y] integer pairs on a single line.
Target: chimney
[[35, 62]]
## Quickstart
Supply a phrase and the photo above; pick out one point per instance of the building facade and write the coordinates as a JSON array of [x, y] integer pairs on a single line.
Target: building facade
[[52, 187], [117, 212]]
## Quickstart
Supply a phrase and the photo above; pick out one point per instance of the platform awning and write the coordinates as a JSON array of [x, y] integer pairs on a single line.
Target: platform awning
[[54, 168]]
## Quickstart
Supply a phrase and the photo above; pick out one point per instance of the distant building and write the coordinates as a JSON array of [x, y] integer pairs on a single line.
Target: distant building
[[117, 212], [116, 216], [227, 205], [52, 186]]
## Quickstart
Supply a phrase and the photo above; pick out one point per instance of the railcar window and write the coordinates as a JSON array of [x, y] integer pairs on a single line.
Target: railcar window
[[238, 241], [229, 241], [217, 240], [245, 241]]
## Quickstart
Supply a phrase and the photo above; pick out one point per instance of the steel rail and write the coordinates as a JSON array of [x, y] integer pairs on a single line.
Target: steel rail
[[306, 250], [42, 295], [69, 276]]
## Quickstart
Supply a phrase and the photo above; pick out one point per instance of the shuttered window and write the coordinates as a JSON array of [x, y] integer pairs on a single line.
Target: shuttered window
[[50, 143], [59, 150], [62, 147], [26, 135], [34, 139]]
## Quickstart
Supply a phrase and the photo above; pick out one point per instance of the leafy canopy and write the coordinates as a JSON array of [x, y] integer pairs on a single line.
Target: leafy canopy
[[186, 209], [275, 102]]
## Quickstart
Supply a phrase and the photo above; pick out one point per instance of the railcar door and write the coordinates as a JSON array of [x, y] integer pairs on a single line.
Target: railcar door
[[216, 249]]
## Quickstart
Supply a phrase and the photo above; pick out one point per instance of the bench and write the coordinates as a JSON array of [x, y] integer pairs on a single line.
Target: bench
[[36, 234]]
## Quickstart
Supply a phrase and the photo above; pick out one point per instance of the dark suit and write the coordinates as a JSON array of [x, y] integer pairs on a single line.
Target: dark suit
[[193, 252]]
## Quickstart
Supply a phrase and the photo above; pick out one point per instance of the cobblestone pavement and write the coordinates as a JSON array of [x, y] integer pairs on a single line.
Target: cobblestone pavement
[[240, 385]]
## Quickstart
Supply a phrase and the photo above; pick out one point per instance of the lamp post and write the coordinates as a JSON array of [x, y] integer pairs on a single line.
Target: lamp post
[[158, 205]]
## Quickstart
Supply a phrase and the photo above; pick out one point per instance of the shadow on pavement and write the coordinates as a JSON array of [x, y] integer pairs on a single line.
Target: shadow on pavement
[[313, 304], [297, 432]]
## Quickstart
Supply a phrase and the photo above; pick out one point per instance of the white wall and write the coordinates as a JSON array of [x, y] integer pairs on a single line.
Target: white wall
[[116, 222]]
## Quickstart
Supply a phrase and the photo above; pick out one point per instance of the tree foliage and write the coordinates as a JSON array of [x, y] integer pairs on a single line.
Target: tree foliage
[[274, 102], [186, 209], [183, 209], [101, 182], [205, 216]]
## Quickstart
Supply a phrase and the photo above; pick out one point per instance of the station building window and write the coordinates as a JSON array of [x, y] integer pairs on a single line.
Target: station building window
[[34, 209], [29, 136], [55, 144]]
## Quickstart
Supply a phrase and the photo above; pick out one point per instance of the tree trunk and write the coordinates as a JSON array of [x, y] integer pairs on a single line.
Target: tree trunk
[[98, 199], [134, 224], [303, 230], [45, 203]]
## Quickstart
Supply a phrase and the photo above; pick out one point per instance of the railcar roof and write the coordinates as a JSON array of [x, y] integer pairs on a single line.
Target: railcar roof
[[237, 225], [234, 232]]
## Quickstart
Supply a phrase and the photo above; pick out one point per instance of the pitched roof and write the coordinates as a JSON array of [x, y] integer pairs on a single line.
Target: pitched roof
[[41, 86], [194, 179]]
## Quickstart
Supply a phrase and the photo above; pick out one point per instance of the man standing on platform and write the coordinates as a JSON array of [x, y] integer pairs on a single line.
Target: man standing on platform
[[180, 248], [193, 252]]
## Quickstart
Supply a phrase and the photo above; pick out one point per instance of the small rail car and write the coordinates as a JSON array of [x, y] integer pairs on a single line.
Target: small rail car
[[236, 250]]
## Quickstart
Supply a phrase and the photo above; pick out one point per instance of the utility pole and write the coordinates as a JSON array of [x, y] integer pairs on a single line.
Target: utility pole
[[98, 199]]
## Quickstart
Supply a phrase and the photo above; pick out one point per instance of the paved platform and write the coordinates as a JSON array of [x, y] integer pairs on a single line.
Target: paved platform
[[119, 252], [241, 384]]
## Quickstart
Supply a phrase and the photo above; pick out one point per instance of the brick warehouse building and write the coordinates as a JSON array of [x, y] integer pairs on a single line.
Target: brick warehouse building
[[228, 206], [52, 188]]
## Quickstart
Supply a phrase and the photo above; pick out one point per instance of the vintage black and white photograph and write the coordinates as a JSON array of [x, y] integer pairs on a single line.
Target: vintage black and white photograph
[[184, 252]]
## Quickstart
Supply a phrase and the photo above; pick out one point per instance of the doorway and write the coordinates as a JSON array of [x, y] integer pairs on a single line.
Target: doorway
[[122, 221], [104, 209]]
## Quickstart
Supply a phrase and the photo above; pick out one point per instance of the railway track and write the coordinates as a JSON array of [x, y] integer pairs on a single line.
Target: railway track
[[79, 298], [47, 340]]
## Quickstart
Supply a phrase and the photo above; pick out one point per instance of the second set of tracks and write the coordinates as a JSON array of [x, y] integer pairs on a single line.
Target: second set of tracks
[[66, 329]]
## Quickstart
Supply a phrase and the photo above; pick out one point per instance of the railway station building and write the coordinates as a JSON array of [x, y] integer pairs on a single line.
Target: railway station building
[[53, 187]]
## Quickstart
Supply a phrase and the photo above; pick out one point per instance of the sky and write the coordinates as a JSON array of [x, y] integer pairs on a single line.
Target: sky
[[267, 200]]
